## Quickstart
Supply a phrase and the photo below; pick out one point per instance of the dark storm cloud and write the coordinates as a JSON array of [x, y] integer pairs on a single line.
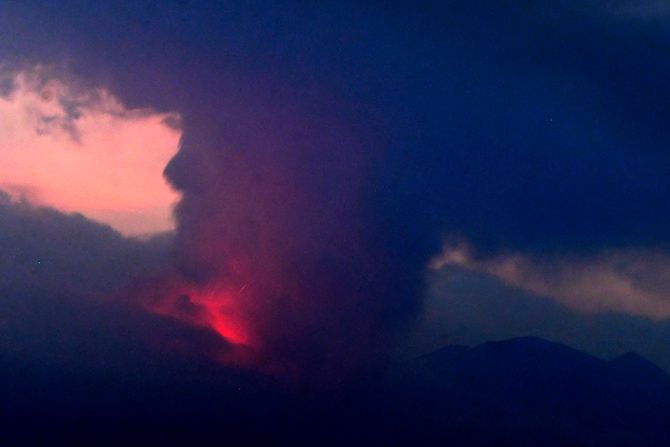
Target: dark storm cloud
[[327, 150], [42, 249]]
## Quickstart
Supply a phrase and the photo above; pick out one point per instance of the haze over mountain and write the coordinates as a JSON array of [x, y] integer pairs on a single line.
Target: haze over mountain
[[469, 307]]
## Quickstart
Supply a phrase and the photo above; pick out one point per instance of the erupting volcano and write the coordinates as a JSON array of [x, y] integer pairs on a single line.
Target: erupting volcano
[[285, 244], [213, 308]]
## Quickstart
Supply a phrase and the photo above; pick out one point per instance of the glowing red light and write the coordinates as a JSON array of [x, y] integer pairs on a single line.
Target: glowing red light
[[212, 307]]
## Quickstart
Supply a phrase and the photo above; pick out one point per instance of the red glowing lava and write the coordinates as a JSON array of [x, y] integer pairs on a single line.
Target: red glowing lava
[[214, 307], [217, 311]]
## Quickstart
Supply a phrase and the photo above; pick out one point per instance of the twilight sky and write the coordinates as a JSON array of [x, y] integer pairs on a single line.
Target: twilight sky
[[328, 159], [82, 151]]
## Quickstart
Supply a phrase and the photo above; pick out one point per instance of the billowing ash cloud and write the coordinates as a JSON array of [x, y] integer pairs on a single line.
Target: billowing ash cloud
[[283, 233], [328, 149]]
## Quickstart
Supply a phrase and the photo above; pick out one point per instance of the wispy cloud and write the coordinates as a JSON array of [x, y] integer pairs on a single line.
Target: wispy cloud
[[633, 281]]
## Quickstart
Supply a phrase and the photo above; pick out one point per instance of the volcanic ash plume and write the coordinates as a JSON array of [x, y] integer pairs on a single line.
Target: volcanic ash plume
[[282, 247]]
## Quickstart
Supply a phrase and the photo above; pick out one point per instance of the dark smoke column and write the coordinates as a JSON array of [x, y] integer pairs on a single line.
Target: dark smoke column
[[283, 234]]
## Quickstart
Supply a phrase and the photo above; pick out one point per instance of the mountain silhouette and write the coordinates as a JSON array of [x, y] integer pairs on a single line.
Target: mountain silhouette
[[529, 391], [519, 392]]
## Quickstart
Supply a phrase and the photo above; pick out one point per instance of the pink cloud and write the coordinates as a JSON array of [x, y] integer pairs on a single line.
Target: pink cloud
[[81, 150]]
